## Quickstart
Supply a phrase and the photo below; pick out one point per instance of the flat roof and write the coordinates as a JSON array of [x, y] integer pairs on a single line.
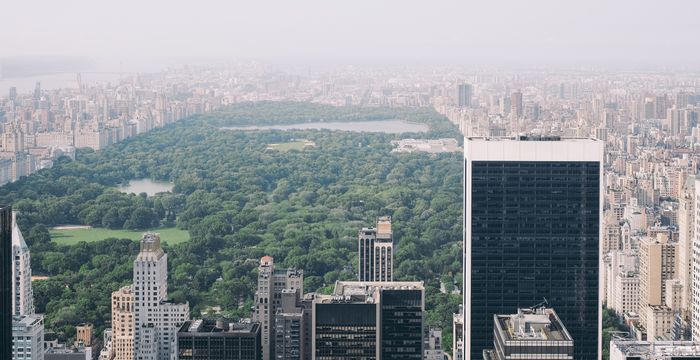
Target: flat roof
[[513, 149]]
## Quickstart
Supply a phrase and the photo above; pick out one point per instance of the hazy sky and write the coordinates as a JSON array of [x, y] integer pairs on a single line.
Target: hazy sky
[[527, 32]]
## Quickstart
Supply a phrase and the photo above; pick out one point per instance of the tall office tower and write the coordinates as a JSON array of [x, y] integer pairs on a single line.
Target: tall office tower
[[626, 295], [123, 323], [218, 340], [533, 210], [37, 91], [13, 93], [375, 249], [657, 264], [660, 106], [23, 299], [530, 334], [516, 103], [289, 327], [458, 334], [369, 320], [464, 96], [686, 234], [28, 338], [271, 283], [5, 282], [155, 319]]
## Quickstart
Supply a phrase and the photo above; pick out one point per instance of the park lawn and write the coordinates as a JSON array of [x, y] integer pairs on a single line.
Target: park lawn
[[170, 235]]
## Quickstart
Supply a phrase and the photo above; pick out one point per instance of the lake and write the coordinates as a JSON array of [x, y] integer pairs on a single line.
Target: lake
[[384, 126], [148, 186]]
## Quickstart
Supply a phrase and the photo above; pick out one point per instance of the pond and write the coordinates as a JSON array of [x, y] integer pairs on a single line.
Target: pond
[[395, 126], [148, 186]]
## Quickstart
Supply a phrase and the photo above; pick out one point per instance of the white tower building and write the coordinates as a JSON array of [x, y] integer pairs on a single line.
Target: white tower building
[[22, 301], [155, 319]]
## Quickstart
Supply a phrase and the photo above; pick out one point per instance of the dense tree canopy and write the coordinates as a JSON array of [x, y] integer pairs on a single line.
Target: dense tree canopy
[[240, 201]]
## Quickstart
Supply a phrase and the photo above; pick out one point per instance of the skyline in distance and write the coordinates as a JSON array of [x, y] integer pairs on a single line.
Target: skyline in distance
[[620, 34]]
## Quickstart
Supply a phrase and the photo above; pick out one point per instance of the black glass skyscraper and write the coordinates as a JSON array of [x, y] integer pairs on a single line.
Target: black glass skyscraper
[[532, 232], [5, 282]]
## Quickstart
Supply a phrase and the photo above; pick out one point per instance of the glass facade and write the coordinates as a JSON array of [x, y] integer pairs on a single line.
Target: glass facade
[[5, 282], [534, 235], [346, 331], [402, 324]]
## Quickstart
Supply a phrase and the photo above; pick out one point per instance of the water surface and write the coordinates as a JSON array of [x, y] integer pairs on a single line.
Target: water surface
[[148, 186], [384, 126]]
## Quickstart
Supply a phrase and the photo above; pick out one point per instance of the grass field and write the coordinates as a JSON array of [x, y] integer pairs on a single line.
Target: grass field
[[171, 235], [293, 145]]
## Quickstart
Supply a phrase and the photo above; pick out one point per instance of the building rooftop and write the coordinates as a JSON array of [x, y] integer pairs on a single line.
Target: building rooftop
[[207, 326], [366, 291], [655, 349], [532, 325]]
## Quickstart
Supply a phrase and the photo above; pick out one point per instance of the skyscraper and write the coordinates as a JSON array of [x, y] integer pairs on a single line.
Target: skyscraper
[[156, 320], [464, 96], [532, 231], [369, 320], [23, 299], [516, 103], [123, 323], [5, 282], [375, 249], [271, 283]]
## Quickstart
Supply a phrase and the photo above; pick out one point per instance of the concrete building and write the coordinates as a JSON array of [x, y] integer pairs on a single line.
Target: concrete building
[[23, 299], [290, 327], [530, 334], [433, 348], [271, 283], [659, 322], [458, 334], [218, 340], [695, 260], [83, 335], [626, 299], [517, 205], [28, 337], [156, 320], [123, 327], [369, 320], [686, 235], [653, 350], [657, 264], [376, 252]]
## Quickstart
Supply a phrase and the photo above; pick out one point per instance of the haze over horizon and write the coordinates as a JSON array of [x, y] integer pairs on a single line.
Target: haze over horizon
[[620, 34]]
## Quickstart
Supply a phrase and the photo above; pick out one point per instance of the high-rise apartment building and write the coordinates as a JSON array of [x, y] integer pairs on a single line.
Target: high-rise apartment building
[[657, 264], [123, 323], [156, 320], [28, 338], [23, 299], [686, 235], [532, 211], [6, 295], [375, 247], [695, 262], [218, 340], [271, 283], [290, 327], [369, 320], [464, 95]]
